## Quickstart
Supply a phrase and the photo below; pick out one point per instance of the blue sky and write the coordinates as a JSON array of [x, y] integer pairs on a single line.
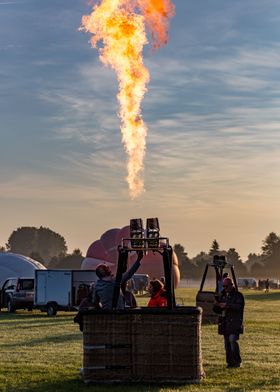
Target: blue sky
[[212, 164]]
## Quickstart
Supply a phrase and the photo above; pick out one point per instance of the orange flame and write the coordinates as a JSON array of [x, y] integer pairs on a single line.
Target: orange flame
[[120, 25]]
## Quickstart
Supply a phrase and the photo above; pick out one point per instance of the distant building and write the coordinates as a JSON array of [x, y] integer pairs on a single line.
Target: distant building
[[15, 265]]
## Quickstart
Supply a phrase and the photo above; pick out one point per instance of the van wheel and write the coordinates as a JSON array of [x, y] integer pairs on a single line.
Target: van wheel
[[51, 310], [10, 306]]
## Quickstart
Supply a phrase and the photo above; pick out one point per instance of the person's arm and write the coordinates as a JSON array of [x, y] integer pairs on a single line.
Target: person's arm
[[128, 274], [219, 304], [217, 308], [238, 304], [96, 300]]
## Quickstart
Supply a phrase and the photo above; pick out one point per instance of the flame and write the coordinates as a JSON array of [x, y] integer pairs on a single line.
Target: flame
[[120, 26]]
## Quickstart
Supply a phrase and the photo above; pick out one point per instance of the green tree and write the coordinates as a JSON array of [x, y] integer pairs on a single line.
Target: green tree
[[271, 244], [180, 252], [70, 261], [36, 256], [271, 256], [22, 241], [215, 248], [233, 257], [187, 268], [42, 241], [201, 260], [253, 261]]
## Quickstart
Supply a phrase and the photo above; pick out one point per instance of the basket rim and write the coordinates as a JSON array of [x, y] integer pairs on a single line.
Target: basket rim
[[186, 310]]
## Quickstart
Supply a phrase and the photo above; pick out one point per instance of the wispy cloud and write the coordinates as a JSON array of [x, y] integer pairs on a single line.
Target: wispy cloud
[[45, 189], [182, 147], [6, 47], [13, 2], [212, 111]]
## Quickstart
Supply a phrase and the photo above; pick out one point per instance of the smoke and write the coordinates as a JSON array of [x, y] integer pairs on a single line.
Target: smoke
[[120, 27]]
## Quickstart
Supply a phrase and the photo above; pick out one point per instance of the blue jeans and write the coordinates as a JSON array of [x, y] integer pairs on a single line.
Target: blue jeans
[[232, 350]]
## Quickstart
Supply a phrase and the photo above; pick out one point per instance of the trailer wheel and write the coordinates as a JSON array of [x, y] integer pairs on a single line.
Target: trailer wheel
[[51, 309], [10, 306]]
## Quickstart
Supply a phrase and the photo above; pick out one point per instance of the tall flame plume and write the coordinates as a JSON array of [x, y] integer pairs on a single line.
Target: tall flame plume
[[120, 26]]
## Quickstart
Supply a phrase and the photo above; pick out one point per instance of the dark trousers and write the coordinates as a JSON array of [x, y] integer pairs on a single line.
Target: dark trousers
[[232, 350]]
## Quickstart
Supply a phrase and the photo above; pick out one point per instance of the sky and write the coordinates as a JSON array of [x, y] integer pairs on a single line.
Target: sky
[[212, 163]]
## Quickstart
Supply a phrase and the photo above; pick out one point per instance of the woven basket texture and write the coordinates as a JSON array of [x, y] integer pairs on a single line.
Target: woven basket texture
[[154, 347]]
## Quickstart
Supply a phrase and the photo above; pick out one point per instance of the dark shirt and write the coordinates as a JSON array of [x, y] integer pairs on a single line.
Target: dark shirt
[[232, 315]]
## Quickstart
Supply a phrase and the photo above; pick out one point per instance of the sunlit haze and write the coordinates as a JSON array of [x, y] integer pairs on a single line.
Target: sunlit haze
[[212, 162]]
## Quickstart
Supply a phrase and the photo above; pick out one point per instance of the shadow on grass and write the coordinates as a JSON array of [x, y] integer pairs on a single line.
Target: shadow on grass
[[77, 385], [45, 340], [271, 296], [42, 318], [273, 385]]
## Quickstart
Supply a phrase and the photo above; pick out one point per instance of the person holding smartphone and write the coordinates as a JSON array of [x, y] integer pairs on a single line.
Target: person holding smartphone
[[230, 307]]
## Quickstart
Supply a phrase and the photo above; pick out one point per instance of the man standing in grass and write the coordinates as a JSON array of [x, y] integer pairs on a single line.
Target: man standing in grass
[[230, 306]]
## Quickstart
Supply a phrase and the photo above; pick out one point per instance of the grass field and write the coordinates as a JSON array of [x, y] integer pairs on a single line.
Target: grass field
[[40, 354]]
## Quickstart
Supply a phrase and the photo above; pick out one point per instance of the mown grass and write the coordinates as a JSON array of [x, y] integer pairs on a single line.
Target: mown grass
[[42, 354]]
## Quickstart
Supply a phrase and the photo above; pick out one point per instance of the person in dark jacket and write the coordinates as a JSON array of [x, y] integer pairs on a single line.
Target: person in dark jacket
[[105, 285], [231, 308]]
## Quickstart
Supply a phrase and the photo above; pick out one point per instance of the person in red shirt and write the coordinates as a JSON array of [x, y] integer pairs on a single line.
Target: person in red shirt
[[158, 294]]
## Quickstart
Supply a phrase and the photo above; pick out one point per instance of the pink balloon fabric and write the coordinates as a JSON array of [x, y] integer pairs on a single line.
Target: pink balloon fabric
[[105, 250]]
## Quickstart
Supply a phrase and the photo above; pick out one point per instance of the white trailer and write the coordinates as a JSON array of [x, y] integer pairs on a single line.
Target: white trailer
[[61, 289]]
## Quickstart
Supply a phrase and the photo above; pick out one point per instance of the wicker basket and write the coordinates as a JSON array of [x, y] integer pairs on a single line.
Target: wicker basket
[[205, 300], [143, 345]]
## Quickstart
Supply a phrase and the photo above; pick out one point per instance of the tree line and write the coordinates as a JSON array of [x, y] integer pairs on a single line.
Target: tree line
[[49, 247], [265, 264], [44, 245]]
